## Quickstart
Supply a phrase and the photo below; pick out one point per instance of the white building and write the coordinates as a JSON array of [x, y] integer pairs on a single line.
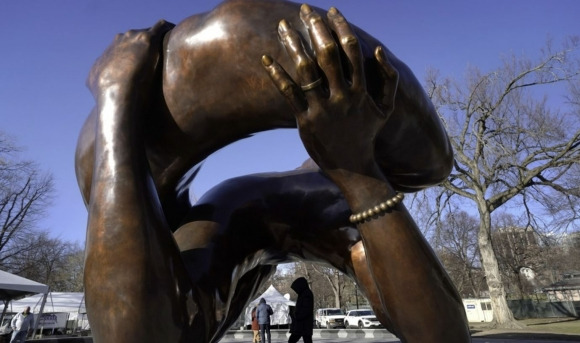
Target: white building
[[478, 310]]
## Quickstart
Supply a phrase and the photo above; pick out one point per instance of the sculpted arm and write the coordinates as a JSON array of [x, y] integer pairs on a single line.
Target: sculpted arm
[[338, 123], [132, 265]]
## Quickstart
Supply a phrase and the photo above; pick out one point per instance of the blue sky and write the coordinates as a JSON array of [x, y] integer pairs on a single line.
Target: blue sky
[[48, 47]]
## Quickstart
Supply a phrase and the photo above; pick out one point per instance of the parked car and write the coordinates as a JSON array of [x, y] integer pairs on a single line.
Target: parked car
[[330, 318], [361, 319]]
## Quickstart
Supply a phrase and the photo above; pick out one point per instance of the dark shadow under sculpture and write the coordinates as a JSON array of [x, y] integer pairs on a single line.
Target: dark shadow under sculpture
[[160, 270]]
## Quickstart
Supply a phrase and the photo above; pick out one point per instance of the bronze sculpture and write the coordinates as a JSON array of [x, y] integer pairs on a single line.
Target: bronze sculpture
[[158, 269]]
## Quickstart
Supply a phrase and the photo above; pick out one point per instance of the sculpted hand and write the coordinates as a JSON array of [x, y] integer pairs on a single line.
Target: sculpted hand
[[129, 61], [337, 119]]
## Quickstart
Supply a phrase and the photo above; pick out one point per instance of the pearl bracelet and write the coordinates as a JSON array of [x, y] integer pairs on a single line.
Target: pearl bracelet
[[382, 207]]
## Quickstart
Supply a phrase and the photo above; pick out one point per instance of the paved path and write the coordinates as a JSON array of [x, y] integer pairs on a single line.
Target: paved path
[[372, 340], [475, 340], [376, 336], [367, 336]]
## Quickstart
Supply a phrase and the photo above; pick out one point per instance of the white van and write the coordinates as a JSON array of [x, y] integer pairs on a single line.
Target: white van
[[330, 318]]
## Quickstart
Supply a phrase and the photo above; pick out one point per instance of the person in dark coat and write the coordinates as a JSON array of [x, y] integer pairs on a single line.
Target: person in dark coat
[[302, 321], [263, 313]]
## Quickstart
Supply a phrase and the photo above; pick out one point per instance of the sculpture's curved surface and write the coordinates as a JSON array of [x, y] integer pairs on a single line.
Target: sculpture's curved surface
[[160, 270], [215, 92]]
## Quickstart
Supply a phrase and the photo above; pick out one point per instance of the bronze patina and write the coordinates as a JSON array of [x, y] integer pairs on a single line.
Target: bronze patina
[[161, 270]]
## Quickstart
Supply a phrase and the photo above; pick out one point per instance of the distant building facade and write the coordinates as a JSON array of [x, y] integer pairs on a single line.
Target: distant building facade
[[568, 289]]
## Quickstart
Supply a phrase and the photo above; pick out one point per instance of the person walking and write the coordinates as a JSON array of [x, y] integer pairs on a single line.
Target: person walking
[[303, 318], [255, 327], [263, 313], [21, 323]]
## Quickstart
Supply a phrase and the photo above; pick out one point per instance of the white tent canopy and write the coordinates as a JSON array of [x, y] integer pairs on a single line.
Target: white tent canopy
[[280, 305], [71, 302], [16, 287], [58, 309]]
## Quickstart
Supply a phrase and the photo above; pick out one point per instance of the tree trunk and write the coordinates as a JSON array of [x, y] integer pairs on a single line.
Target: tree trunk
[[337, 295], [502, 315]]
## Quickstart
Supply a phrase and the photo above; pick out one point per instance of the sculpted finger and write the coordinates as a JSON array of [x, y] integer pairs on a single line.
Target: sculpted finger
[[308, 75], [390, 77], [351, 47], [284, 83], [325, 47], [159, 30], [162, 26], [132, 57]]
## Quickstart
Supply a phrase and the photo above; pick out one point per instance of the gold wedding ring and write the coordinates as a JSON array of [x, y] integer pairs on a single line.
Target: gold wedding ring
[[312, 85]]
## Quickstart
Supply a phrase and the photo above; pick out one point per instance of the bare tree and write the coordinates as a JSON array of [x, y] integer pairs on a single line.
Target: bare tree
[[282, 279], [331, 288], [334, 279], [521, 253], [511, 146], [456, 247], [343, 293], [70, 276], [54, 262], [562, 255], [24, 195], [25, 249], [323, 295]]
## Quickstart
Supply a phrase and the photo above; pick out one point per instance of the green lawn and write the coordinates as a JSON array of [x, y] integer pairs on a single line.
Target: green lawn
[[546, 325], [555, 325]]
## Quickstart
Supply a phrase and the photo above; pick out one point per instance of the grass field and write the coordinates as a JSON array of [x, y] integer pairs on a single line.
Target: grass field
[[570, 326], [553, 325]]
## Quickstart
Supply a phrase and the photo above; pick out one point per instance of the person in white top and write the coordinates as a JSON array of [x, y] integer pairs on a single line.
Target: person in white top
[[21, 323]]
